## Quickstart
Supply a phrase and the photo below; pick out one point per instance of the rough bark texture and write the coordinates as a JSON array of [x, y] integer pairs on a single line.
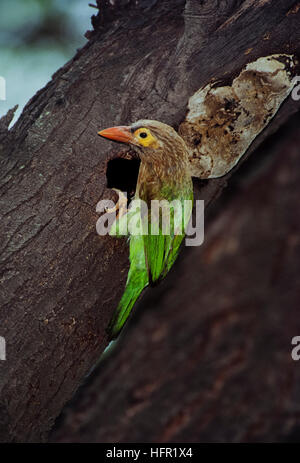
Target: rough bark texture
[[60, 282]]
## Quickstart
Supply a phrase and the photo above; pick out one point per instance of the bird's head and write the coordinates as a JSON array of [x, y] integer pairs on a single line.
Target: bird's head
[[146, 137]]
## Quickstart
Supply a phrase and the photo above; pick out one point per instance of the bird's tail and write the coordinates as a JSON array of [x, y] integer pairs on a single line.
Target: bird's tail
[[137, 280], [134, 287]]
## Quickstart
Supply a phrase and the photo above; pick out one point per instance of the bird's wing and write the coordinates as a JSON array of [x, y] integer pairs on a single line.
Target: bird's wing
[[162, 246]]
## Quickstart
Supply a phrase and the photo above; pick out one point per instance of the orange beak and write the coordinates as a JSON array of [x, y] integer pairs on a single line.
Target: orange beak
[[121, 133]]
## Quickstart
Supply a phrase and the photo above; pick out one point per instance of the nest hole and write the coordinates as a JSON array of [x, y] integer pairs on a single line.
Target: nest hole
[[122, 174]]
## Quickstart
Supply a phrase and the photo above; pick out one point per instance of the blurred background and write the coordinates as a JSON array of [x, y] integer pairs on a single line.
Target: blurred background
[[36, 38]]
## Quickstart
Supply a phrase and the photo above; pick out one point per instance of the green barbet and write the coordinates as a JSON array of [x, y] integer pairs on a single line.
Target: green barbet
[[164, 175]]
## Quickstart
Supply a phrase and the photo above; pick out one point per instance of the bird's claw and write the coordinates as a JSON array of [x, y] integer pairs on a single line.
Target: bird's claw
[[121, 206]]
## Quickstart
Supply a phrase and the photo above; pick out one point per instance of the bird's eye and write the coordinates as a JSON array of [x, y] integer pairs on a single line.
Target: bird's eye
[[143, 135]]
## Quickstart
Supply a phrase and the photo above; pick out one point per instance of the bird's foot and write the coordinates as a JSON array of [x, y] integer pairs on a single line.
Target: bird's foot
[[121, 206]]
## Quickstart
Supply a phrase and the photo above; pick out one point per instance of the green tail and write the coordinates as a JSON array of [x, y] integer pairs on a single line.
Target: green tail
[[137, 280]]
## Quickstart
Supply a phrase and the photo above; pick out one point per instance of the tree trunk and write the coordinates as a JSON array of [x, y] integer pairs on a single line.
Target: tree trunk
[[60, 280]]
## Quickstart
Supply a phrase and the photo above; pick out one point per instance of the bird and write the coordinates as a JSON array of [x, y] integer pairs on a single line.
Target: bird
[[164, 175]]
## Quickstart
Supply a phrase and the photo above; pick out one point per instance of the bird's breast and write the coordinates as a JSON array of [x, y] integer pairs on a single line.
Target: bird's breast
[[159, 180]]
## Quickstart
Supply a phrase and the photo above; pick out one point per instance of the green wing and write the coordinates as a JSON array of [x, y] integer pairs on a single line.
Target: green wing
[[161, 250]]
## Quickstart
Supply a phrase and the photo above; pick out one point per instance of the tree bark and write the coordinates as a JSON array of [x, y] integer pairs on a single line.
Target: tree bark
[[60, 280]]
